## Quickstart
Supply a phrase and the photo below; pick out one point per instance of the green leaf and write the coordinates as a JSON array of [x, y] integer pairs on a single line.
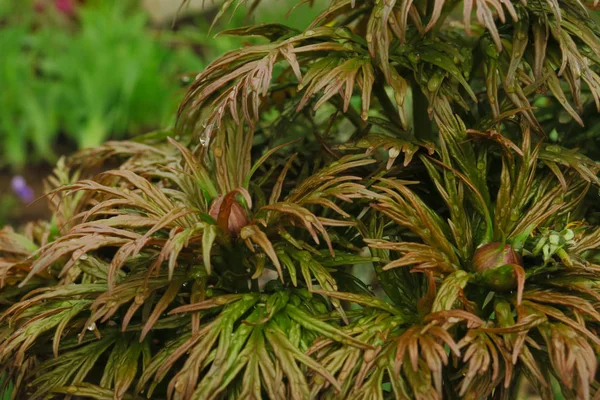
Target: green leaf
[[451, 287]]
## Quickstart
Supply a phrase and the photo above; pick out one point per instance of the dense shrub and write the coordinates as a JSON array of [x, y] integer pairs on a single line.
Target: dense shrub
[[369, 208]]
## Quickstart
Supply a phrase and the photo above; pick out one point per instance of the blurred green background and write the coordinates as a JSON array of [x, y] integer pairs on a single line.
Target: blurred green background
[[76, 73]]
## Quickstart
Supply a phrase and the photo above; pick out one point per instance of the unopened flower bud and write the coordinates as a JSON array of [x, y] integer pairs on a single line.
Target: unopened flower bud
[[494, 255], [238, 218]]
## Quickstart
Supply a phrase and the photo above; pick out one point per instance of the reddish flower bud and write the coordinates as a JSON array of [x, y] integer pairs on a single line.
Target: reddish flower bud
[[238, 218], [494, 255]]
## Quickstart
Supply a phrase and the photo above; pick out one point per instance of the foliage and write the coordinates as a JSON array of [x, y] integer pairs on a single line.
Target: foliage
[[7, 203], [222, 259], [103, 76]]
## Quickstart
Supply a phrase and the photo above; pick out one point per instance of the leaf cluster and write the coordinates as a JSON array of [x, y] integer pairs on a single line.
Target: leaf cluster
[[272, 246]]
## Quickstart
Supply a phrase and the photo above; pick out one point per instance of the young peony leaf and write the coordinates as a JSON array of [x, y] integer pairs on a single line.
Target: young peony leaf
[[448, 293]]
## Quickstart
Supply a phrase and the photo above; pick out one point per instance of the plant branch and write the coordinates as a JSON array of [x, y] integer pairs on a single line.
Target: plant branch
[[389, 109], [421, 122]]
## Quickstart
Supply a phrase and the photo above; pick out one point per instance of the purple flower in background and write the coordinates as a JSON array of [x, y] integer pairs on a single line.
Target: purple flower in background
[[22, 189]]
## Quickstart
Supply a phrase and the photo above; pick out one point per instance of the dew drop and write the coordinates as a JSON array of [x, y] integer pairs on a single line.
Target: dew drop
[[91, 326], [205, 138]]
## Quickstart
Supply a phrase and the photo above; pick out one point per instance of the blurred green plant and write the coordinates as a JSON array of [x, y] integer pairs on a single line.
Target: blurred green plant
[[114, 78], [6, 392], [108, 78], [8, 202]]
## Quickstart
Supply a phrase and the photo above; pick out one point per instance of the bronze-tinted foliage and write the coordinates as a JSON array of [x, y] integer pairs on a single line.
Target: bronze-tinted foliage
[[272, 247]]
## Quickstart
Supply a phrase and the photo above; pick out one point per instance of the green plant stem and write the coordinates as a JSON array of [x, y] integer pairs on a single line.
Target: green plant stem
[[421, 122], [389, 108], [254, 287], [351, 114], [239, 276]]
